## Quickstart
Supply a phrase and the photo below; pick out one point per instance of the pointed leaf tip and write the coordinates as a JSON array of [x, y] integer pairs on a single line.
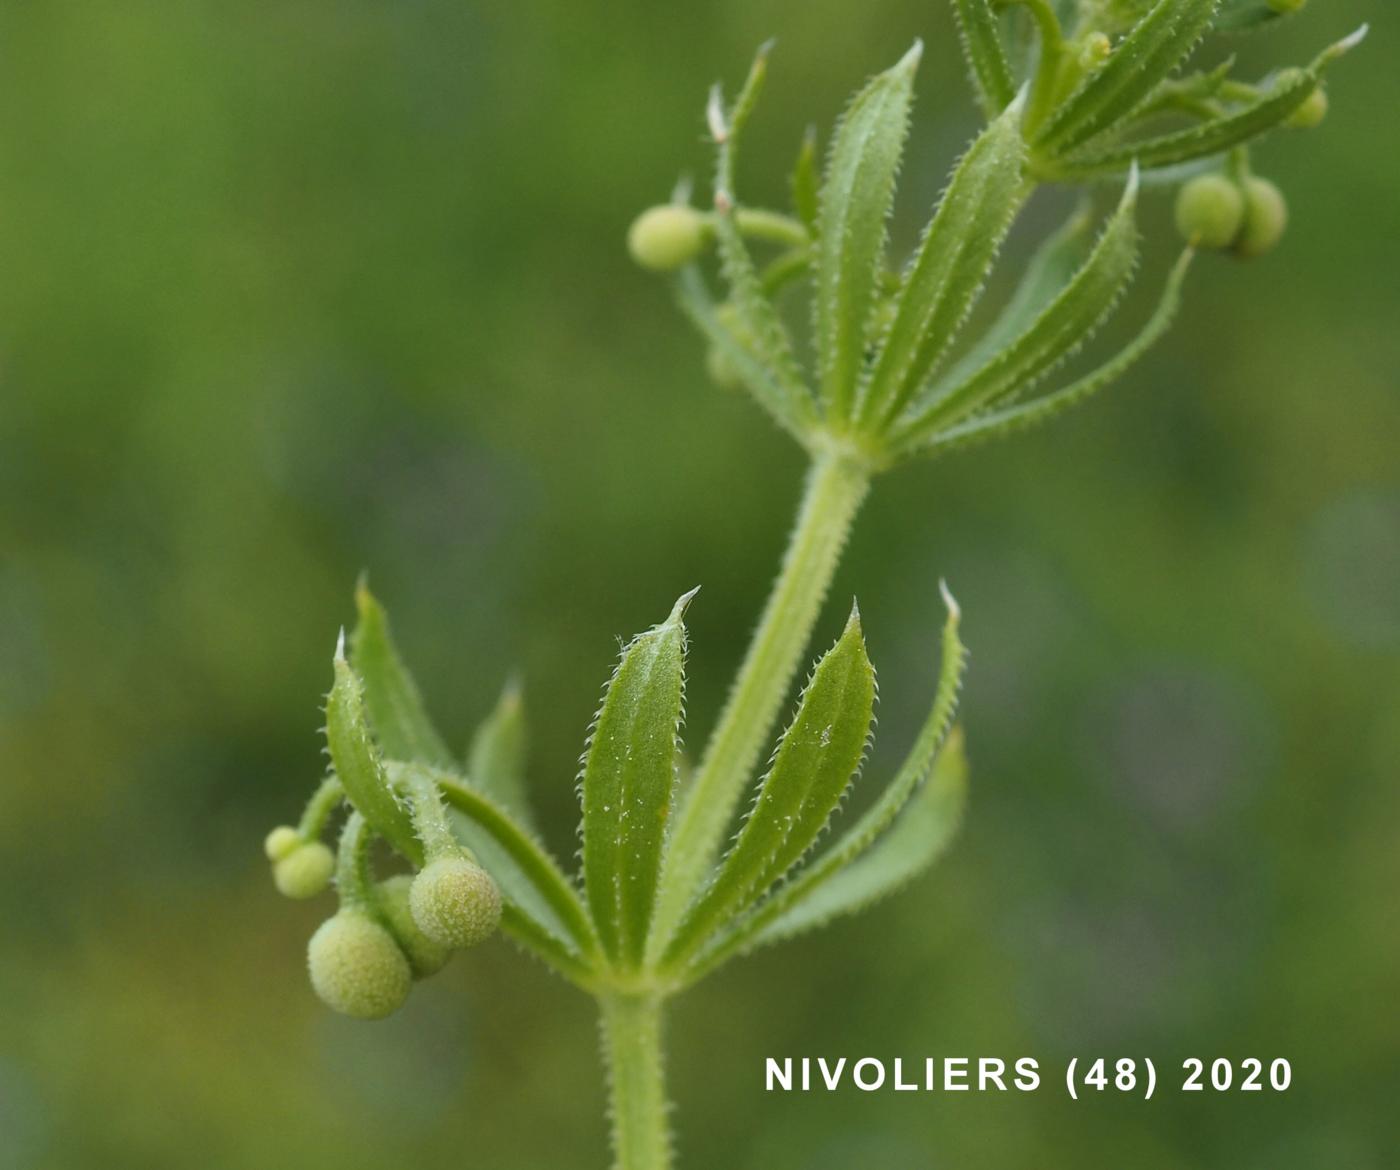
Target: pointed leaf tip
[[714, 114], [949, 601], [1130, 190], [682, 604], [340, 647], [1349, 42]]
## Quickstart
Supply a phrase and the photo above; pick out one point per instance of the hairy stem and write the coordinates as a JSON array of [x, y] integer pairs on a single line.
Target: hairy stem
[[836, 485], [636, 1082]]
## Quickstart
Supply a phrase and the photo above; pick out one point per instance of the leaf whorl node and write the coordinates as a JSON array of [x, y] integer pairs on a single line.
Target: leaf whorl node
[[357, 968]]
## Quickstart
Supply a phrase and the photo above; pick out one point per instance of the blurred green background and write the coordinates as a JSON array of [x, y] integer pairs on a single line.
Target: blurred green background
[[292, 289]]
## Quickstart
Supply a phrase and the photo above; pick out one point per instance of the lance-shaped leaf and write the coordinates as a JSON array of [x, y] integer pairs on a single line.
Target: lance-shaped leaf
[[1054, 336], [530, 880], [1291, 90], [395, 706], [919, 837], [788, 406], [997, 423], [759, 325], [628, 782], [804, 181], [986, 59], [358, 764], [855, 201], [1246, 16], [909, 782], [948, 271], [1050, 268], [816, 760], [496, 759], [1145, 57]]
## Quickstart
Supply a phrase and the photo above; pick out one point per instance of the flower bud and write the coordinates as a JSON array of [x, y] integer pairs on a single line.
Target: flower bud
[[1095, 50], [665, 237], [356, 967], [1210, 211], [425, 956], [1265, 218], [305, 871], [281, 842], [455, 902]]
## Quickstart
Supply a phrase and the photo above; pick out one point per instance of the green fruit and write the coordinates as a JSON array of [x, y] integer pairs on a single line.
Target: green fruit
[[356, 967], [305, 871], [455, 902], [1311, 113], [666, 237], [281, 842], [1265, 218], [425, 956], [1210, 211]]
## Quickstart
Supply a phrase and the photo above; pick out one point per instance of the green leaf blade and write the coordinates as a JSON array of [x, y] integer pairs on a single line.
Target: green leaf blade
[[628, 785], [768, 340], [1218, 134], [1051, 339], [997, 424], [951, 265], [919, 837], [1051, 267], [805, 183], [1157, 45], [985, 56], [496, 758], [358, 764], [743, 354], [911, 779], [817, 758], [392, 699], [855, 200]]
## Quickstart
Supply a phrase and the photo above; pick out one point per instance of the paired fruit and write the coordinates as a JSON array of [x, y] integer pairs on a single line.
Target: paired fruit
[[1249, 217]]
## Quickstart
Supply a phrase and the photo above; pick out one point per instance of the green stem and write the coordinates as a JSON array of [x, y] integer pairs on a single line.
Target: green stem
[[636, 1082], [836, 485]]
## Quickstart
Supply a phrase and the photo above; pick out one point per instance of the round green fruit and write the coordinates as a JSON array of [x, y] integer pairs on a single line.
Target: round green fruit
[[357, 968], [455, 902], [1210, 211]]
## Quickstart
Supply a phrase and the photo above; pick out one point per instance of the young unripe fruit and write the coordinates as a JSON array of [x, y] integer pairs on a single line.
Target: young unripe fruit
[[1210, 211], [1286, 5], [425, 956], [356, 967], [665, 237], [281, 842], [1265, 218], [305, 871], [1311, 113], [455, 902]]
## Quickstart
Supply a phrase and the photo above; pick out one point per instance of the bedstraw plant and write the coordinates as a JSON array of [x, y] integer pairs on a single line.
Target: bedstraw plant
[[675, 879]]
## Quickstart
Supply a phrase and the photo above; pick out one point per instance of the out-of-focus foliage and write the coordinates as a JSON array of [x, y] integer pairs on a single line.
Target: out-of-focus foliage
[[291, 290]]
